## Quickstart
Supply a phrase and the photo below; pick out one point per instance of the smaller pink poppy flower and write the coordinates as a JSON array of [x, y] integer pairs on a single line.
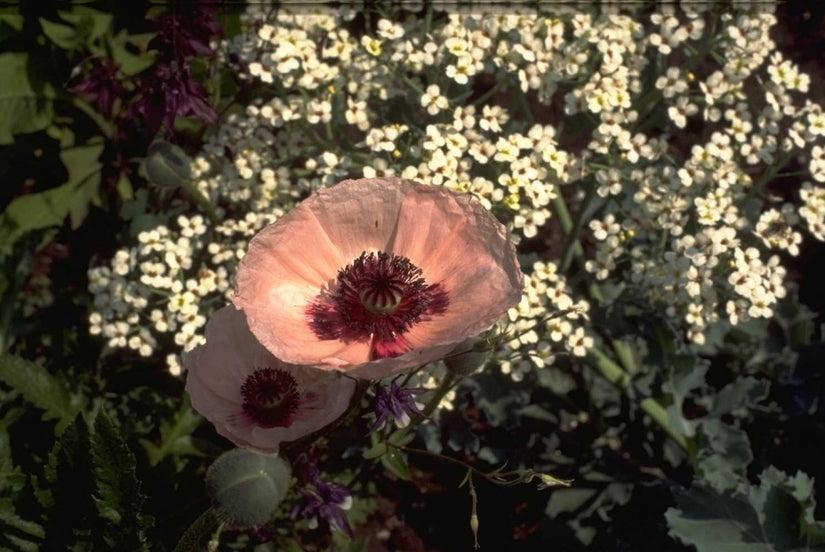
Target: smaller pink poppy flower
[[252, 398], [374, 276]]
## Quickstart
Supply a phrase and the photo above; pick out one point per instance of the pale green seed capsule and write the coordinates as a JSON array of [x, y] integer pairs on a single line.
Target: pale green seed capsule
[[246, 486]]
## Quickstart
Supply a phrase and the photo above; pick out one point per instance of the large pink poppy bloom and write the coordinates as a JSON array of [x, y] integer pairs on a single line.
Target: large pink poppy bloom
[[252, 398], [374, 276]]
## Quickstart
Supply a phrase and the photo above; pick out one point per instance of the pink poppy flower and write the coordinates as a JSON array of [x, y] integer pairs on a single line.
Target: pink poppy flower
[[251, 397], [374, 276]]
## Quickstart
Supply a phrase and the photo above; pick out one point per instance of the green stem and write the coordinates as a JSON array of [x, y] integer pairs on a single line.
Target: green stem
[[769, 174], [203, 202], [495, 477], [446, 385], [105, 126], [613, 373], [572, 239], [200, 530], [574, 229]]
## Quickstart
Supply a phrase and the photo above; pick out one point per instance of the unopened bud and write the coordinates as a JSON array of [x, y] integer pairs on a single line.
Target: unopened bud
[[467, 357], [167, 165], [246, 486]]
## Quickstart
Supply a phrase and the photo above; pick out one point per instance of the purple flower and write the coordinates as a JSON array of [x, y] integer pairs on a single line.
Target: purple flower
[[187, 34], [171, 92], [100, 84], [399, 403], [322, 500], [326, 502]]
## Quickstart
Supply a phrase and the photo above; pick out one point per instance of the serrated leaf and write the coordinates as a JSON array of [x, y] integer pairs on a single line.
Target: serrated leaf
[[23, 108], [117, 495], [12, 520], [40, 388], [69, 489], [11, 477], [175, 436], [396, 463]]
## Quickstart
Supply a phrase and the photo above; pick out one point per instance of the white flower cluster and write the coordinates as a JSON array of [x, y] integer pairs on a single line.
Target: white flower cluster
[[526, 112], [545, 322], [693, 232]]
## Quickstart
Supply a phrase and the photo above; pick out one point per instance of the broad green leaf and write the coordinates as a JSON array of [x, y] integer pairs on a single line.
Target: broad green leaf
[[51, 207], [685, 375], [12, 20], [42, 389], [23, 108], [130, 63], [118, 497], [92, 24], [725, 459], [763, 518], [740, 393], [395, 462], [64, 36]]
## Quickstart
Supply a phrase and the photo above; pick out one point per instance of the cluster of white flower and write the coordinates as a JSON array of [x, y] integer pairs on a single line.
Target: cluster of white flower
[[167, 285], [525, 111], [546, 322]]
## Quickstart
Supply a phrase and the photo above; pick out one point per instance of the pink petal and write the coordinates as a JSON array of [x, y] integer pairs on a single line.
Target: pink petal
[[217, 370], [290, 261], [455, 241]]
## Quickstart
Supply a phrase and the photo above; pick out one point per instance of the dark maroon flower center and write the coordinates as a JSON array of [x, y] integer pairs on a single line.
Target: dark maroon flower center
[[270, 397], [376, 299]]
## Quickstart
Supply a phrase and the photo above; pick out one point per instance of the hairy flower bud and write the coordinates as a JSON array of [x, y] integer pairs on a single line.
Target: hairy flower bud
[[247, 486]]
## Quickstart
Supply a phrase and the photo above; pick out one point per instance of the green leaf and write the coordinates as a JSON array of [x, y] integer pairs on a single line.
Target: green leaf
[[41, 389], [375, 451], [764, 518], [12, 481], [741, 393], [23, 108], [118, 497], [175, 436], [64, 36], [51, 207], [12, 20], [85, 27], [396, 463], [92, 24], [685, 375], [724, 461], [130, 64], [11, 478]]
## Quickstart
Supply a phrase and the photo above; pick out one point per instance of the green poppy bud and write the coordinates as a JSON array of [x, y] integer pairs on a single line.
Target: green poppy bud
[[167, 165], [246, 486], [467, 357]]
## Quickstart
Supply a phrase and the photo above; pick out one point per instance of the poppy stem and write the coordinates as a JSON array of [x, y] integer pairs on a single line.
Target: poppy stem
[[201, 529]]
